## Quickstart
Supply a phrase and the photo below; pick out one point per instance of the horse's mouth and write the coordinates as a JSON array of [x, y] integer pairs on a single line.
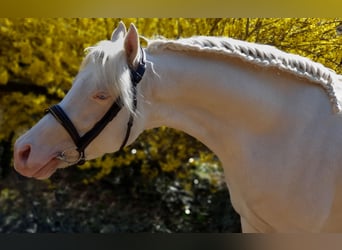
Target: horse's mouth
[[47, 170]]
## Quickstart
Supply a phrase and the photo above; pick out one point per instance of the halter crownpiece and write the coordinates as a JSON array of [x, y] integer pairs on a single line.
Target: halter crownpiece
[[82, 142]]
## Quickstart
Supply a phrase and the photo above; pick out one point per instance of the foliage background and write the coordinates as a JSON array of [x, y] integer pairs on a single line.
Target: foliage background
[[166, 181]]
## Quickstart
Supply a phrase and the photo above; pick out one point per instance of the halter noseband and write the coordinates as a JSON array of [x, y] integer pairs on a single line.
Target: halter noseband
[[82, 142]]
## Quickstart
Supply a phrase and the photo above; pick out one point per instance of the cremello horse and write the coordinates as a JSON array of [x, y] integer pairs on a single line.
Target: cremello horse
[[272, 118]]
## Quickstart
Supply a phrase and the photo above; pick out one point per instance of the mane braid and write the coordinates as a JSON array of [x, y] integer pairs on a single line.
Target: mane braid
[[263, 55]]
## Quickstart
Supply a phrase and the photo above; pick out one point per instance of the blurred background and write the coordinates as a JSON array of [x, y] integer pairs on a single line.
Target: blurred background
[[164, 182]]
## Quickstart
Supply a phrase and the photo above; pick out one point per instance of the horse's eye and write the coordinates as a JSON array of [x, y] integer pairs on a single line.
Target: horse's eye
[[101, 96]]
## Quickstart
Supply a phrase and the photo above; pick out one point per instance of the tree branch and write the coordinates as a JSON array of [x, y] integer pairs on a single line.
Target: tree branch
[[27, 88]]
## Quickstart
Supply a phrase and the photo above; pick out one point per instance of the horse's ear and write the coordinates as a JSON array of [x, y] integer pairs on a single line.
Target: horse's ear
[[131, 44], [120, 31]]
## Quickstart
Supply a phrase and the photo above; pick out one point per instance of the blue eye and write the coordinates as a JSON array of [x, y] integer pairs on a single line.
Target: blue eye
[[101, 96]]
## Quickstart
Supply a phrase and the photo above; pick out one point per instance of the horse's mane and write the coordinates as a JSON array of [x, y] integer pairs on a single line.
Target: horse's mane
[[109, 58], [259, 54]]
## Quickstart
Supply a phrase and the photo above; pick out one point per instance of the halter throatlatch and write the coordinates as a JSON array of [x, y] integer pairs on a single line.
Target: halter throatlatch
[[82, 142]]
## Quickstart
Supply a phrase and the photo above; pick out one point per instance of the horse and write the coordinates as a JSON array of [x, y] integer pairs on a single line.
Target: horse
[[272, 118]]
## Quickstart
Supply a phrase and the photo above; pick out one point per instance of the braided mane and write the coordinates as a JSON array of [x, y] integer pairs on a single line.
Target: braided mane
[[263, 55]]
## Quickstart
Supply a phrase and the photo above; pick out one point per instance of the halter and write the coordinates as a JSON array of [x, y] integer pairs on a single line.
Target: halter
[[82, 142]]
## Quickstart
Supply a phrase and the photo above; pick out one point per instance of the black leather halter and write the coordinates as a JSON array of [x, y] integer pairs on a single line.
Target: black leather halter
[[82, 142]]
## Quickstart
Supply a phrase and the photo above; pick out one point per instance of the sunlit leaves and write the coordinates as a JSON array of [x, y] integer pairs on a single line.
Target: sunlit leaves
[[24, 112], [3, 75]]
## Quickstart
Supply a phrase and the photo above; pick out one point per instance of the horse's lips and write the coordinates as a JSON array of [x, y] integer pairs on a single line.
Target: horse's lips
[[47, 170]]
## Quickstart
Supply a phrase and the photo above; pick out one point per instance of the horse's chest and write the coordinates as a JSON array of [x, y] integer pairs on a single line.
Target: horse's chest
[[286, 196]]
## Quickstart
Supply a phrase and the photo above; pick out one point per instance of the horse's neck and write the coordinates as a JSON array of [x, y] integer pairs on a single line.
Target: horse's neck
[[267, 127], [219, 102]]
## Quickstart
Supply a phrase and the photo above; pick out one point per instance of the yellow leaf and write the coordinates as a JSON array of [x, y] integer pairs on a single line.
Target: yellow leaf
[[3, 76]]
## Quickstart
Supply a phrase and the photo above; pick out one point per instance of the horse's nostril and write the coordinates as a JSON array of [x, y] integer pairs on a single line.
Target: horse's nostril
[[24, 153]]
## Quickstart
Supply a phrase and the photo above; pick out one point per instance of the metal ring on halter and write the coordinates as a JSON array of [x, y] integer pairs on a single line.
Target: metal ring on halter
[[71, 156]]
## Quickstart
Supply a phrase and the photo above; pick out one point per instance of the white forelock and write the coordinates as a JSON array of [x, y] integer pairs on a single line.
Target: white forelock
[[111, 68]]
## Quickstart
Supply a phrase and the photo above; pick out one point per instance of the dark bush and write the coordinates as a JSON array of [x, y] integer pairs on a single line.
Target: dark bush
[[123, 201]]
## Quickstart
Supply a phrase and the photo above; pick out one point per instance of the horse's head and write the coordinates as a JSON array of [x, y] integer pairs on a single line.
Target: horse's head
[[93, 118]]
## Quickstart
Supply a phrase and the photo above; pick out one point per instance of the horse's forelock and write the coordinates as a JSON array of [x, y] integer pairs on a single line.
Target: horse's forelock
[[111, 69]]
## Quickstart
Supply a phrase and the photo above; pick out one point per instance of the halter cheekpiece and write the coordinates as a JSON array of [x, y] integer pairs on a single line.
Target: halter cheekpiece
[[82, 142]]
